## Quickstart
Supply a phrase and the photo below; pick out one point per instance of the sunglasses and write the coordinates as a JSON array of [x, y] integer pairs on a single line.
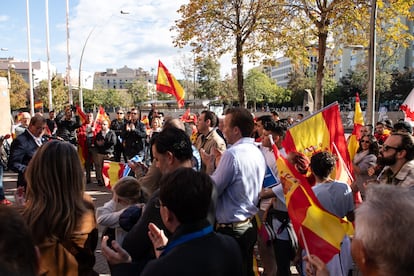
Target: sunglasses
[[387, 148], [365, 141], [120, 113]]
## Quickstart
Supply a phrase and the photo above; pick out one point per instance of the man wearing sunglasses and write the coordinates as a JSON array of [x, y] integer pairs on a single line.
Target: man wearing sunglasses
[[117, 125], [397, 154]]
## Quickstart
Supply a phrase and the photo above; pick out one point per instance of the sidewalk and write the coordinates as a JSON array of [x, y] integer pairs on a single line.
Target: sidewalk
[[100, 195]]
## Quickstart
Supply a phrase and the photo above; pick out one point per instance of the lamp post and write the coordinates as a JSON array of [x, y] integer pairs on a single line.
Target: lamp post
[[29, 54], [194, 45], [80, 69], [81, 60], [371, 65]]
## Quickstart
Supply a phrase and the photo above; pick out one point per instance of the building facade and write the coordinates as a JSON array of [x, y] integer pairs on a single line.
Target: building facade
[[121, 78], [39, 69]]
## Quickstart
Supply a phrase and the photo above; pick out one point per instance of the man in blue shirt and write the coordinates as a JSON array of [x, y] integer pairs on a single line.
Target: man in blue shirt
[[238, 178]]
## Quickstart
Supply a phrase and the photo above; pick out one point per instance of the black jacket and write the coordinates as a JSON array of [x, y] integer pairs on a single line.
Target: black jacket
[[134, 139], [108, 146], [213, 254], [22, 150], [66, 129]]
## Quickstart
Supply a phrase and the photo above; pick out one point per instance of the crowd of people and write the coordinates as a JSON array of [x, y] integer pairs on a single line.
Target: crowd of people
[[201, 190]]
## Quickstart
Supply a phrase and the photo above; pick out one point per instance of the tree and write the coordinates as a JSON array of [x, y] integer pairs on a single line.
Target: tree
[[245, 28], [59, 93], [208, 78], [298, 82], [260, 88], [228, 90], [18, 89], [311, 23], [138, 89], [402, 83]]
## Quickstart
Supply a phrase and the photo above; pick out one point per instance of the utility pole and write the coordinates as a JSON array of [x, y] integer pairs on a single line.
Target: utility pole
[[370, 112]]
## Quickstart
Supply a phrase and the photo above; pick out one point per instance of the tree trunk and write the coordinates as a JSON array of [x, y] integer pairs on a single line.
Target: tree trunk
[[320, 70], [239, 60]]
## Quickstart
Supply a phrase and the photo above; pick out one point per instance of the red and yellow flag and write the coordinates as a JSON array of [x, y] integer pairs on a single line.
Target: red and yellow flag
[[81, 114], [323, 131], [112, 172], [322, 230], [100, 117], [353, 143], [166, 83]]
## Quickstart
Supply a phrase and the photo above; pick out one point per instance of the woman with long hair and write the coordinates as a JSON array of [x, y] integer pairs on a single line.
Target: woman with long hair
[[59, 214], [365, 158]]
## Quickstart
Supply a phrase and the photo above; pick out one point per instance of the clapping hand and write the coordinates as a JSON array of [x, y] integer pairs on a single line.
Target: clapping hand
[[158, 238], [117, 255]]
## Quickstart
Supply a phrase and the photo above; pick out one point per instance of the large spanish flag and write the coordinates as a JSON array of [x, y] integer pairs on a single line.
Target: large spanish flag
[[323, 131], [322, 230], [353, 140], [166, 83]]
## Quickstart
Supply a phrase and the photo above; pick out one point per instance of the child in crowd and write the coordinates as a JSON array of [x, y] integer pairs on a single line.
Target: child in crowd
[[126, 193]]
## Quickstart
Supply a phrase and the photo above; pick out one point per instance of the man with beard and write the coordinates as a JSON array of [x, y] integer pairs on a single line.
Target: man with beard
[[397, 154]]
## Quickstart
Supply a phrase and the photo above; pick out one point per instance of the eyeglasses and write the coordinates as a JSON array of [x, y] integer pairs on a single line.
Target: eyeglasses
[[365, 141], [158, 204], [387, 148]]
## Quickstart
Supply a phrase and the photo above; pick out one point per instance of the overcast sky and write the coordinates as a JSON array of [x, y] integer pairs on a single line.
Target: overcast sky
[[137, 39]]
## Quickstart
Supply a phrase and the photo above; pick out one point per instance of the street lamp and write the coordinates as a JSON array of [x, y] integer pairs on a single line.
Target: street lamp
[[194, 45], [80, 63], [371, 65], [80, 69]]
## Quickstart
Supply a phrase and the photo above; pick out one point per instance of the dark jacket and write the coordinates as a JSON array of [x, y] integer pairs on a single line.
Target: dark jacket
[[212, 254], [21, 152], [137, 242], [108, 146], [66, 129], [134, 140]]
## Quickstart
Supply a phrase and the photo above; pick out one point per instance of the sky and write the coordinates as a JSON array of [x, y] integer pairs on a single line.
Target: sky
[[138, 37]]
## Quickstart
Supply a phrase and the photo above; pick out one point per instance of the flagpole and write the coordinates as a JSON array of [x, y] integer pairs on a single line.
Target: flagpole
[[29, 54], [49, 81], [68, 69], [343, 162], [315, 113]]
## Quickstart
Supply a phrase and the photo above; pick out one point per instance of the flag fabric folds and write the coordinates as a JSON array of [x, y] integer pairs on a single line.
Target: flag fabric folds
[[353, 140], [408, 108], [323, 131], [100, 117], [82, 147], [322, 230], [112, 172], [166, 83]]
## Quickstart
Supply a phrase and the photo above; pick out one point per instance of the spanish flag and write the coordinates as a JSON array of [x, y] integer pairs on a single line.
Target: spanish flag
[[100, 117], [112, 172], [353, 140], [166, 83], [82, 147], [323, 131], [322, 230]]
